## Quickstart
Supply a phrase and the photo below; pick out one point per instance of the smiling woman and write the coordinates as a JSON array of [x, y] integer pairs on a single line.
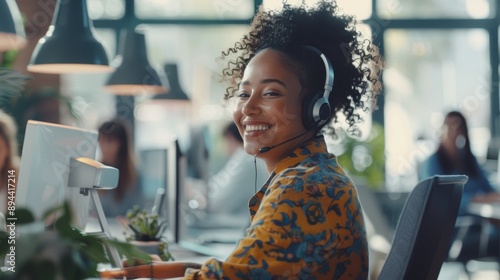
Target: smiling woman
[[292, 77]]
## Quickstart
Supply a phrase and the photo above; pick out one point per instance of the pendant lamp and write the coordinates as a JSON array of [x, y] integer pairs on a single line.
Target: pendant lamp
[[11, 26], [69, 45], [175, 92], [134, 74]]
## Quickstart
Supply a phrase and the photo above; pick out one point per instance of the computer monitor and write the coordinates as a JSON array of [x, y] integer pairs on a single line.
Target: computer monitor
[[44, 170], [197, 154], [160, 169], [197, 157], [176, 167], [57, 165], [153, 169]]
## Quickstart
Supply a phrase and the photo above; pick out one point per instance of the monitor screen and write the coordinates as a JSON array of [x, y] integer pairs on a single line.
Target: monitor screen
[[197, 154], [153, 170], [45, 165], [159, 170]]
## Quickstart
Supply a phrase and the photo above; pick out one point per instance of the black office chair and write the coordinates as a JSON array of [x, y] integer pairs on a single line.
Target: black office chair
[[423, 233]]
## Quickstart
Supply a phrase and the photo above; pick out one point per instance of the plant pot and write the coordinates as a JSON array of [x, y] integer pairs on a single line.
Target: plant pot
[[150, 247]]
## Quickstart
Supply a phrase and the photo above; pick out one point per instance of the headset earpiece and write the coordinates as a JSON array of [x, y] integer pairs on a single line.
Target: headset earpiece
[[316, 109]]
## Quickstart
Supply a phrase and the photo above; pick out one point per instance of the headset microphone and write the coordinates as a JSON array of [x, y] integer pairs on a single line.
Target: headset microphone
[[264, 149], [268, 148]]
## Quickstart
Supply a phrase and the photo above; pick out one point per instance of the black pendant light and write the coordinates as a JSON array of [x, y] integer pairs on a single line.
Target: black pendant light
[[175, 92], [69, 45], [134, 74], [11, 26]]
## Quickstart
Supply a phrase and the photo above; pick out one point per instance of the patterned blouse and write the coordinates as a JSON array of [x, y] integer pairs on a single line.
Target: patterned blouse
[[307, 223]]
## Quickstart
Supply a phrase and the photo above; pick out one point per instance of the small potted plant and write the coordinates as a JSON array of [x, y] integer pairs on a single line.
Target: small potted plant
[[146, 231]]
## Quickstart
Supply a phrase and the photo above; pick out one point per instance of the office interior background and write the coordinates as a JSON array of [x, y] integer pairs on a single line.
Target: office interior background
[[440, 55]]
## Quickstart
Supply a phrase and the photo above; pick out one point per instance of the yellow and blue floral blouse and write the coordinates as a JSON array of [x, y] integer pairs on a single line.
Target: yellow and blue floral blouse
[[307, 223]]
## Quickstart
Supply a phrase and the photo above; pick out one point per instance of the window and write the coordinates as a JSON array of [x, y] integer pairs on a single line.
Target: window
[[106, 9], [199, 9], [429, 73], [436, 9]]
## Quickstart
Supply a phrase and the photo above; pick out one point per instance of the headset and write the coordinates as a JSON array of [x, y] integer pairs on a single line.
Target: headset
[[316, 108]]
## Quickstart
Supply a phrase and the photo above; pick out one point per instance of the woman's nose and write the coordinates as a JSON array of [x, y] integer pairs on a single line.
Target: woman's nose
[[251, 106]]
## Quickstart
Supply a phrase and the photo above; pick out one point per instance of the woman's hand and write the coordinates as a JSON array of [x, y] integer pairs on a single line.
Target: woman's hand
[[487, 198], [491, 197], [136, 262], [151, 270]]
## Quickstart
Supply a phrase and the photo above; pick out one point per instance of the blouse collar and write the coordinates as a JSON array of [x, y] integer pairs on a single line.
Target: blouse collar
[[313, 146]]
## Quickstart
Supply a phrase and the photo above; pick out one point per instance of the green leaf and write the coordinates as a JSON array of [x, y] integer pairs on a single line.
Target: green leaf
[[24, 216], [63, 223], [75, 267], [92, 246], [39, 269], [131, 252]]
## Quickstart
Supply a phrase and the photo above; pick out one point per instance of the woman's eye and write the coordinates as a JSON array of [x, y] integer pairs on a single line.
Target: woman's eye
[[272, 93], [243, 95]]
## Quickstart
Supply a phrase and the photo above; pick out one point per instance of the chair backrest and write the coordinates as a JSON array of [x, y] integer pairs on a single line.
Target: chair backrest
[[423, 234]]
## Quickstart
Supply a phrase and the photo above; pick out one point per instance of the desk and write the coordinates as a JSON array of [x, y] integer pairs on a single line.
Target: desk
[[490, 210], [487, 210], [179, 252]]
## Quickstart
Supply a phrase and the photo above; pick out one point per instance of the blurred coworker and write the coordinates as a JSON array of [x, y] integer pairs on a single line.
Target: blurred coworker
[[454, 156], [117, 150]]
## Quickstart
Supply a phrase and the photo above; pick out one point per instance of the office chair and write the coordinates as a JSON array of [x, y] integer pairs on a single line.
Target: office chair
[[423, 233]]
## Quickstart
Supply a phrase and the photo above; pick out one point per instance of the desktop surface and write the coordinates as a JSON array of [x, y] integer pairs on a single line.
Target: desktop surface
[[203, 244]]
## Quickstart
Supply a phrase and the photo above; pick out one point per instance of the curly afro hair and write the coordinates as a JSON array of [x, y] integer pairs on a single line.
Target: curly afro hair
[[356, 62]]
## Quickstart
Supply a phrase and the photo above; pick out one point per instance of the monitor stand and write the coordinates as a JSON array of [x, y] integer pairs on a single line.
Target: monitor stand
[[105, 232]]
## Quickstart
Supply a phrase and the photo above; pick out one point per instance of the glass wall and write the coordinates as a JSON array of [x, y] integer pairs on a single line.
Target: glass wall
[[427, 9], [430, 72], [199, 9]]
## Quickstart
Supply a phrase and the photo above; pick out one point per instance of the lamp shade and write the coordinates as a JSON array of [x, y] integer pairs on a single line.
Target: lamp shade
[[134, 74], [11, 26], [69, 45], [175, 92]]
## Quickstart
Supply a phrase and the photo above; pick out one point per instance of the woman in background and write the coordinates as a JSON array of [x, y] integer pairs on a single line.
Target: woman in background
[[9, 159], [117, 151], [454, 156]]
